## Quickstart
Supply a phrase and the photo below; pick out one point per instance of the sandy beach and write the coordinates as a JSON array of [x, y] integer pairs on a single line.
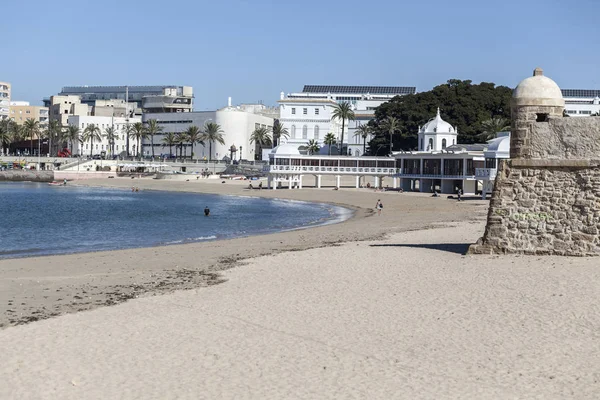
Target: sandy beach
[[376, 307]]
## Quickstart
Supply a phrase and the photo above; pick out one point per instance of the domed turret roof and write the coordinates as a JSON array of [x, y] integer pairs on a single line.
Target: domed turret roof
[[500, 143], [538, 90], [437, 125], [286, 149]]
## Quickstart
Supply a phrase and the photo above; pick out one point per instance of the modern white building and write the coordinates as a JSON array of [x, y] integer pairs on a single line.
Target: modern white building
[[236, 122], [471, 168], [581, 102], [103, 147], [4, 100], [307, 115]]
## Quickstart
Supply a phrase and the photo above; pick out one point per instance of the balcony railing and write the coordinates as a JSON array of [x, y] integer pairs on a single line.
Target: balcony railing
[[486, 173], [329, 170]]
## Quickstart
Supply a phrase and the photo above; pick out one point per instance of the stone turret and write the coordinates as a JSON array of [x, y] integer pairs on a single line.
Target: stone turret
[[536, 99]]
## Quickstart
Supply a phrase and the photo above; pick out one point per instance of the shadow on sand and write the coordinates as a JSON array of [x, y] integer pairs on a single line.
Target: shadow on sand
[[458, 248]]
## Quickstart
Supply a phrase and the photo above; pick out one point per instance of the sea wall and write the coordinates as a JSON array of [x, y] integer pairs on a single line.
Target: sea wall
[[82, 175], [26, 175], [544, 207]]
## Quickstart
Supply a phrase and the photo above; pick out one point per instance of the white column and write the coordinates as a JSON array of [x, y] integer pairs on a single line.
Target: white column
[[319, 181], [376, 180], [290, 181], [275, 182], [269, 179], [395, 184], [337, 181], [357, 181], [300, 181]]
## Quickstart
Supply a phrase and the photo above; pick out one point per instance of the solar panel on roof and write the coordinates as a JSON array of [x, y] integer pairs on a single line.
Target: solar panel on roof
[[580, 93], [359, 89]]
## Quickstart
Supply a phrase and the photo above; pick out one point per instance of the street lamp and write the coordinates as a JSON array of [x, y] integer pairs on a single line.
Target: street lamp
[[240, 153]]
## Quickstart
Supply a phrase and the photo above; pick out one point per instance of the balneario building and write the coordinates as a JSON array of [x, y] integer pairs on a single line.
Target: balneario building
[[546, 198]]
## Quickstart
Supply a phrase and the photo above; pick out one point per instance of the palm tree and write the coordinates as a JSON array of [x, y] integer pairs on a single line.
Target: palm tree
[[152, 128], [363, 131], [391, 125], [72, 134], [111, 136], [31, 128], [127, 130], [342, 111], [91, 133], [181, 139], [492, 126], [312, 147], [278, 132], [5, 137], [54, 134], [194, 135], [261, 137], [139, 133], [212, 133], [329, 140], [170, 139]]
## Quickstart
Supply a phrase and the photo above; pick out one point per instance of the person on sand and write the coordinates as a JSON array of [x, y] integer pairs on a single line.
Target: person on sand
[[260, 185], [379, 206], [459, 193]]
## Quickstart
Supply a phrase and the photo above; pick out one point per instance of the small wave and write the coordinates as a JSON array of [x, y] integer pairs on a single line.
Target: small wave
[[106, 198], [188, 240]]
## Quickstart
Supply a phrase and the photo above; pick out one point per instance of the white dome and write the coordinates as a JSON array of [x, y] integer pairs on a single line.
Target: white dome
[[500, 144], [538, 90], [437, 125], [286, 149]]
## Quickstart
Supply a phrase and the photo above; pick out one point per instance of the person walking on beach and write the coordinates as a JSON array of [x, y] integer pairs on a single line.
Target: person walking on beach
[[459, 193], [379, 206]]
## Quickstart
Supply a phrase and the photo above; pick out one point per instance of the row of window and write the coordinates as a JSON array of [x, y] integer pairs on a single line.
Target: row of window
[[430, 146], [305, 132], [581, 112], [304, 111]]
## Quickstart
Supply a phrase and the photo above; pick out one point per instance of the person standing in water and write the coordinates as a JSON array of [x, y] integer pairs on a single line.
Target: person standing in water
[[379, 206], [206, 211]]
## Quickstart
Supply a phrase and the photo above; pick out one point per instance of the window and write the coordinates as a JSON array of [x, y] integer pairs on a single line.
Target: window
[[316, 132], [82, 125], [586, 112], [430, 147], [443, 143], [541, 117], [305, 111], [293, 111], [316, 111], [293, 131], [305, 132]]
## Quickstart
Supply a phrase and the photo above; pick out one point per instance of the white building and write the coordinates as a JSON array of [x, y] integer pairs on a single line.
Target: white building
[[307, 115], [581, 102], [4, 100], [236, 122], [103, 147], [437, 134]]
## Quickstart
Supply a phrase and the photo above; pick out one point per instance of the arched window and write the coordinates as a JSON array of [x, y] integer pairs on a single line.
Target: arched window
[[430, 147], [305, 132], [421, 147], [453, 142], [293, 131], [443, 143], [316, 132]]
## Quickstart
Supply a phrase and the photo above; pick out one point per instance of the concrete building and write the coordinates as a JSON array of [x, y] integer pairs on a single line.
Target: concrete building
[[307, 115], [21, 111], [237, 123], [62, 107], [4, 100], [581, 102], [103, 147], [163, 98]]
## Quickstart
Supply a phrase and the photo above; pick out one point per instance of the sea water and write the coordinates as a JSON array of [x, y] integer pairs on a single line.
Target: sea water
[[39, 219]]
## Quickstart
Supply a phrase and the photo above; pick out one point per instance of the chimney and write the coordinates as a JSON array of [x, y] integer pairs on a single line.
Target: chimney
[[281, 96], [229, 101], [538, 72]]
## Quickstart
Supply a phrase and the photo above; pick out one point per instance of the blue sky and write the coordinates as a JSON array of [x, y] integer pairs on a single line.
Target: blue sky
[[252, 50]]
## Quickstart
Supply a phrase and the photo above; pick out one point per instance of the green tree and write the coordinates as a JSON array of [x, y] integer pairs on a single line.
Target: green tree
[[278, 132], [313, 147], [391, 125], [181, 139], [111, 136], [170, 139], [152, 128], [330, 140], [73, 134], [465, 106], [194, 135], [262, 138], [127, 131], [31, 128], [54, 133], [91, 133], [5, 136], [139, 133], [342, 112], [363, 130], [212, 133], [492, 126]]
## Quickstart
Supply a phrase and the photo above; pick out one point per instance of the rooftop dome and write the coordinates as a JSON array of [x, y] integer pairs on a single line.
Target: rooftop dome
[[500, 144], [437, 125], [286, 149], [538, 90]]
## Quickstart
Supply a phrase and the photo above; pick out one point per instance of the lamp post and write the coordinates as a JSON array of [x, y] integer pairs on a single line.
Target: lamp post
[[240, 153]]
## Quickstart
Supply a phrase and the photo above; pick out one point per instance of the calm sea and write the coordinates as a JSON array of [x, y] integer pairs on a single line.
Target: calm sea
[[39, 219]]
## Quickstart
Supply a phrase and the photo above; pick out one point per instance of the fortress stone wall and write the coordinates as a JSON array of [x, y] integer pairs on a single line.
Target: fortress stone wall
[[546, 198]]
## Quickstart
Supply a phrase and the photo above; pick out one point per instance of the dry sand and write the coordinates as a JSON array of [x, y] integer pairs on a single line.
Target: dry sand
[[405, 316]]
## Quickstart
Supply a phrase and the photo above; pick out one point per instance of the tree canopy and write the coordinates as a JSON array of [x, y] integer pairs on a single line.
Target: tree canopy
[[462, 104]]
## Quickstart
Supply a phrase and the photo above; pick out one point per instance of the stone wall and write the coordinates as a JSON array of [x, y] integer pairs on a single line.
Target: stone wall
[[26, 175], [544, 207], [566, 138]]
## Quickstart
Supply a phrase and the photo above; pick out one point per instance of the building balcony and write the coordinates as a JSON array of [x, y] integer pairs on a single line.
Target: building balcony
[[486, 174], [305, 169]]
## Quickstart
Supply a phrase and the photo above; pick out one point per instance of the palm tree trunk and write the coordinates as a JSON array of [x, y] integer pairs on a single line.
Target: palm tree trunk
[[210, 150], [342, 141], [91, 145], [364, 145], [192, 150], [152, 144]]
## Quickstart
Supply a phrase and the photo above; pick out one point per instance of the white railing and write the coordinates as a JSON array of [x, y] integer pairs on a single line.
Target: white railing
[[328, 170], [486, 173]]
